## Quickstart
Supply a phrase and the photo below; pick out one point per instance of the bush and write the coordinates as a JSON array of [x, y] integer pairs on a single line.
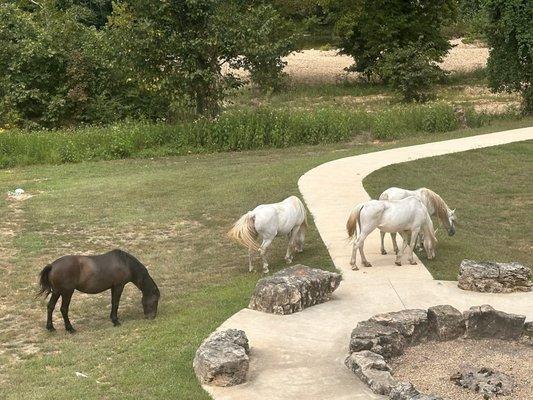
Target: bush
[[510, 36], [370, 29], [410, 71]]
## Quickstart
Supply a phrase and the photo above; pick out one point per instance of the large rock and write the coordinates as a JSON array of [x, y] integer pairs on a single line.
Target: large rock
[[445, 322], [293, 289], [494, 277], [381, 339], [406, 391], [222, 359], [527, 335], [412, 324], [485, 381], [486, 322], [372, 369]]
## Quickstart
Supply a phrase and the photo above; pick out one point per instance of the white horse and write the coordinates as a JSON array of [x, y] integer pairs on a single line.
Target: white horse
[[401, 216], [433, 202], [268, 221]]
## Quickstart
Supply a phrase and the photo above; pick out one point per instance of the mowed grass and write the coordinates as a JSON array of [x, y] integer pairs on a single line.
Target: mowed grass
[[172, 213], [492, 192]]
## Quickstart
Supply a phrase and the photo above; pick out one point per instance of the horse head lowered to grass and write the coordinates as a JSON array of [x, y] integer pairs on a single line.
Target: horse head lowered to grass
[[94, 274]]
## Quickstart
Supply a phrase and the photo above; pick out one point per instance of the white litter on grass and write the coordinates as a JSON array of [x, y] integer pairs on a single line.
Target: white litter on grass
[[18, 194], [80, 375]]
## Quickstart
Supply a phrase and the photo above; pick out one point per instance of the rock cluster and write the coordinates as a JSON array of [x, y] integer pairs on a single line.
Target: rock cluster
[[223, 358], [383, 336], [293, 289], [485, 381], [494, 277]]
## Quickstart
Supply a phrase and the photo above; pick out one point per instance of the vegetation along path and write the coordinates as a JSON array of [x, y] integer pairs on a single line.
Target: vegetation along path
[[301, 355]]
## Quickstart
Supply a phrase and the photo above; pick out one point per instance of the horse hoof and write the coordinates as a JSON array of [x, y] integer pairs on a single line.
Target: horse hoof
[[70, 330], [398, 263], [412, 262], [383, 252], [116, 323], [288, 260], [50, 328], [368, 265], [355, 268]]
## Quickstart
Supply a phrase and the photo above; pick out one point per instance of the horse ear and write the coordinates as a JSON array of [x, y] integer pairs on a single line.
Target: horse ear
[[453, 211]]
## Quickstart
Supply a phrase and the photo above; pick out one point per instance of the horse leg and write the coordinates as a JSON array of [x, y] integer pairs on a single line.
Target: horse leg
[[291, 246], [116, 292], [361, 238], [65, 303], [50, 309], [250, 266], [383, 251], [394, 243], [399, 254], [262, 251], [353, 262], [414, 236]]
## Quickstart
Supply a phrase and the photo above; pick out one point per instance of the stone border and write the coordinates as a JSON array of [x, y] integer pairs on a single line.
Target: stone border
[[494, 277], [387, 335]]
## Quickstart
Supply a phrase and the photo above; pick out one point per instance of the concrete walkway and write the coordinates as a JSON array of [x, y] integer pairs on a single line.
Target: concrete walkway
[[301, 356]]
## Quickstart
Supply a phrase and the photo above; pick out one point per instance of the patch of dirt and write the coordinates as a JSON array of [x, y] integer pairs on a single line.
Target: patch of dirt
[[328, 66], [429, 366]]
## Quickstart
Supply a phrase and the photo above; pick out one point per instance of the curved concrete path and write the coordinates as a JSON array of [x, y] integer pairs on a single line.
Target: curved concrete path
[[301, 356]]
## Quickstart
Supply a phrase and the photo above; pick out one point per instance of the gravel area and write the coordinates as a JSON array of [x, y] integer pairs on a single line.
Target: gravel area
[[429, 366], [327, 66]]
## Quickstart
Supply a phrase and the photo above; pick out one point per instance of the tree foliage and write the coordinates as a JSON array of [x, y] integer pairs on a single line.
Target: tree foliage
[[510, 37], [383, 35], [70, 61]]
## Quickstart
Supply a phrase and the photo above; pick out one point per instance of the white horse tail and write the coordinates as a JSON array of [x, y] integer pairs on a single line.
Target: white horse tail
[[304, 212], [353, 221], [243, 231]]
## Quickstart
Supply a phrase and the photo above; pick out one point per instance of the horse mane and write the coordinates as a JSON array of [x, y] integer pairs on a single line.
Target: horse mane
[[138, 269], [441, 208]]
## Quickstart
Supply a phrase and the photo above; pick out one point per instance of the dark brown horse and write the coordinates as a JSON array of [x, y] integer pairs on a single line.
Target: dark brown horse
[[94, 274]]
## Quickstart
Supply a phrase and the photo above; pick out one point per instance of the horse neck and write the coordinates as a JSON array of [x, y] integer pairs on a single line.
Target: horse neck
[[140, 276]]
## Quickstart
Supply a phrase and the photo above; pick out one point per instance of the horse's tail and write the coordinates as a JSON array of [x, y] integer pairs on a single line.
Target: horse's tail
[[44, 281], [243, 231], [353, 221]]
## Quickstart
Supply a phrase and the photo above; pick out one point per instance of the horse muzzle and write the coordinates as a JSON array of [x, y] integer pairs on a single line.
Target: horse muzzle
[[451, 231]]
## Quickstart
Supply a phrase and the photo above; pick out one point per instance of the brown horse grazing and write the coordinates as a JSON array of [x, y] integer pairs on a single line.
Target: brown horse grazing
[[94, 274]]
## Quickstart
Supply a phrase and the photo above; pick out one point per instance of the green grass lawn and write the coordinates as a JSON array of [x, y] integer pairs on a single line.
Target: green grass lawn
[[172, 213], [491, 190]]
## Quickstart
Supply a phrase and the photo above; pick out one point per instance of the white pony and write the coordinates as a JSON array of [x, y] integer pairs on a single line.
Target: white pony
[[433, 202], [268, 221], [401, 216]]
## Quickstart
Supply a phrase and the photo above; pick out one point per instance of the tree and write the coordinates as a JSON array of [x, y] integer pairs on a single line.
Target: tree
[[376, 30], [183, 45], [510, 38]]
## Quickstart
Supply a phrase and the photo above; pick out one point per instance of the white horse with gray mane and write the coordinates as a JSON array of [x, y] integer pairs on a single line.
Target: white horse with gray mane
[[433, 202], [407, 215], [268, 221]]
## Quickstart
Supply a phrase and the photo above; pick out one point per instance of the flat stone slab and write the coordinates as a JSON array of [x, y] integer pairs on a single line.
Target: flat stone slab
[[412, 324], [486, 322], [372, 369], [484, 381], [223, 358], [381, 339], [494, 277], [445, 322], [293, 289]]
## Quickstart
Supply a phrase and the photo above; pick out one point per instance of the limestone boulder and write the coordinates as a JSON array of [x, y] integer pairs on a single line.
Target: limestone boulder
[[486, 322], [223, 358], [412, 324], [381, 339], [293, 289], [445, 322], [406, 391], [372, 369], [494, 277]]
